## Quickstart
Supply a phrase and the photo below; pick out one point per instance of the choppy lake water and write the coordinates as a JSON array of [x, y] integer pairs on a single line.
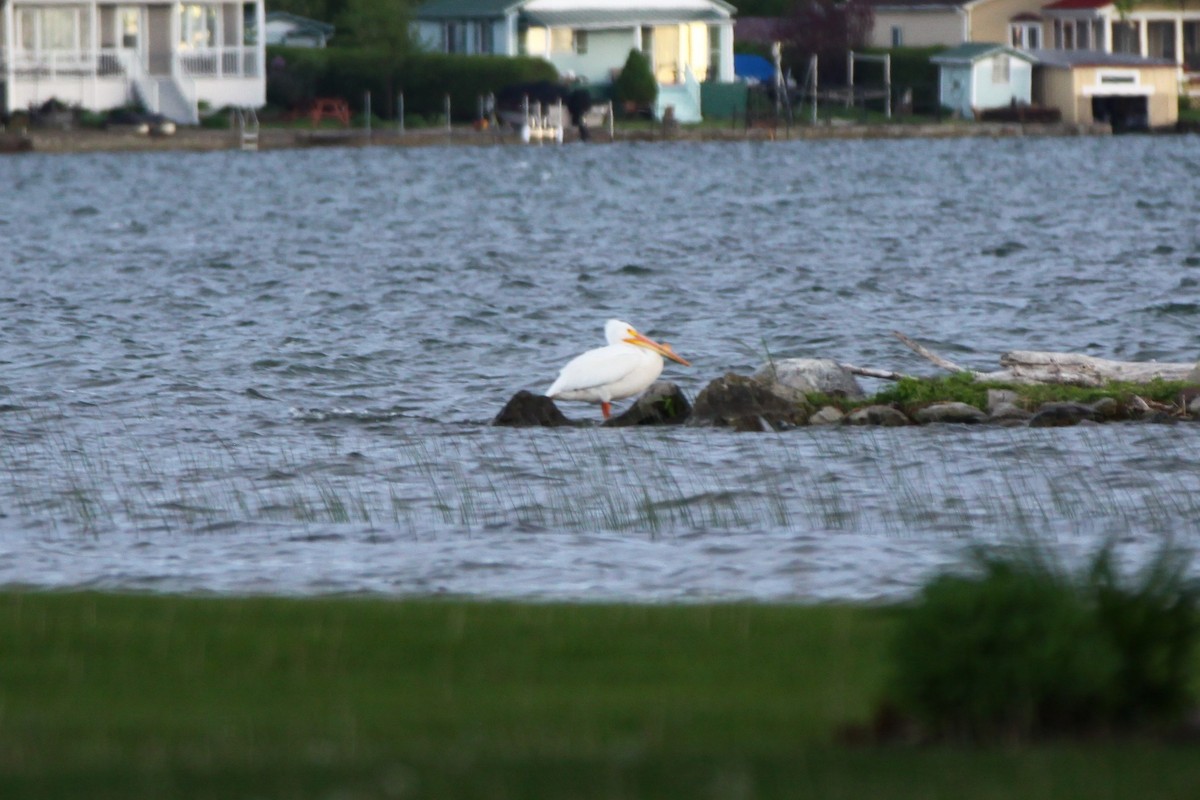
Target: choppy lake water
[[274, 372]]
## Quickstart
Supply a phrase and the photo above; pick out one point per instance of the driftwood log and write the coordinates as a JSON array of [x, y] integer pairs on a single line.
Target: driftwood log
[[1030, 367]]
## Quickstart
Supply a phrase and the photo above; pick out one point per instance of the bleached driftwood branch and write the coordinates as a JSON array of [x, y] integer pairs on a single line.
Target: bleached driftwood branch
[[925, 352], [1031, 366], [868, 372]]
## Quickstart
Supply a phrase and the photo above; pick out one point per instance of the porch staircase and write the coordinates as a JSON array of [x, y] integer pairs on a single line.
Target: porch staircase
[[173, 104], [158, 94], [683, 97]]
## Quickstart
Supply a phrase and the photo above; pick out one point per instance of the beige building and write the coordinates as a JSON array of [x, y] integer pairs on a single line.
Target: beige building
[[1155, 29], [926, 23], [1129, 92]]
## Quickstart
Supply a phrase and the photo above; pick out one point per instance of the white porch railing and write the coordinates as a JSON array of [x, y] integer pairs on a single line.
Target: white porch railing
[[221, 62], [103, 63]]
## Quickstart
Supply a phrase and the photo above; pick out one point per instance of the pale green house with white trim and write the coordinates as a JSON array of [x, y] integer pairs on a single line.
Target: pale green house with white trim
[[978, 76], [687, 41]]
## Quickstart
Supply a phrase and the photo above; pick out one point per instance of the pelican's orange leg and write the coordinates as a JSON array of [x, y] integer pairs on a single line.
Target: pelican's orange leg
[[606, 408]]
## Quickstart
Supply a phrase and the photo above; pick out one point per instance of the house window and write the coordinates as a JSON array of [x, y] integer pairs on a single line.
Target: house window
[[1081, 34], [454, 37], [60, 29], [1125, 37], [1118, 78], [484, 42], [535, 40], [1000, 68], [1191, 46], [897, 36], [1161, 38], [580, 42], [129, 24], [560, 40], [1068, 36], [1025, 35], [197, 27]]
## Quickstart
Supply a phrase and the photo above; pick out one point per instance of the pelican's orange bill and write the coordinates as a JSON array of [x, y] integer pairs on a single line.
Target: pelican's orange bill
[[663, 349]]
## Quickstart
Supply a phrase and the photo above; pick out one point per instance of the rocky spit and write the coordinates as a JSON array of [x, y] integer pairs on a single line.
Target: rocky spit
[[777, 397]]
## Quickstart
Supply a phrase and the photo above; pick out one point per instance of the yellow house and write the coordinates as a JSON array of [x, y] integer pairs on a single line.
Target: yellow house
[[1155, 29], [925, 23], [1158, 29], [1127, 91]]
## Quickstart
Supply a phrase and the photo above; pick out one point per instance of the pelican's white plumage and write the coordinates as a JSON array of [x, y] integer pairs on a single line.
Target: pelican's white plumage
[[626, 367]]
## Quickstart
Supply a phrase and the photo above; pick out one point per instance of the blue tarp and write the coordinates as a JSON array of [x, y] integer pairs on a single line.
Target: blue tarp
[[753, 68]]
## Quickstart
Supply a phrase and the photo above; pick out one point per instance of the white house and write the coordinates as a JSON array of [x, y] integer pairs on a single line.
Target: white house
[[976, 77], [102, 54], [687, 41], [291, 30]]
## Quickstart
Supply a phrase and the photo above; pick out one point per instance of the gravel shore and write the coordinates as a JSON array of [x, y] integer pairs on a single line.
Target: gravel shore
[[200, 139]]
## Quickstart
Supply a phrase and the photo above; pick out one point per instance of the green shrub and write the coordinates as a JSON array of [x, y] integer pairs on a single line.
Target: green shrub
[[297, 75], [1154, 627], [215, 120], [1021, 649], [636, 85]]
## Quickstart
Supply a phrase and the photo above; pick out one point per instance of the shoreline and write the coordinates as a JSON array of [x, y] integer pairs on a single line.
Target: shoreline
[[209, 140]]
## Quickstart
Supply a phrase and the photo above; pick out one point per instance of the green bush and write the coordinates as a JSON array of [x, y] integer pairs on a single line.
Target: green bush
[[1021, 649], [297, 75], [636, 85]]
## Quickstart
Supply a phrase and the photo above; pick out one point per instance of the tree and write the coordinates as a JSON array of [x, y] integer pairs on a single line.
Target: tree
[[827, 29], [636, 85], [382, 27]]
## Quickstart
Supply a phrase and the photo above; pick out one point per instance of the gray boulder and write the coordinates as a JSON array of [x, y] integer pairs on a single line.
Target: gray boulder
[[1105, 408], [1009, 414], [1058, 415], [664, 403], [807, 375], [746, 404], [1000, 397], [884, 416], [827, 415], [951, 412]]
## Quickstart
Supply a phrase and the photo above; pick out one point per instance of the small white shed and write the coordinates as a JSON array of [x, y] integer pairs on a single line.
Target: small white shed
[[978, 76]]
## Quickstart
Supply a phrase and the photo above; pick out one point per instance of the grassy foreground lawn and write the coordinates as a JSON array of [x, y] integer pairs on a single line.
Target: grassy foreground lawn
[[163, 697]]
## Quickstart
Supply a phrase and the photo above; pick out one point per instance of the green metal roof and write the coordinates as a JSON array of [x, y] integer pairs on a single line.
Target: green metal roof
[[610, 18], [463, 9], [972, 52]]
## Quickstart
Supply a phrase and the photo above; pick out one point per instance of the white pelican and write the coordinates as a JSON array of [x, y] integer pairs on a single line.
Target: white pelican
[[629, 364]]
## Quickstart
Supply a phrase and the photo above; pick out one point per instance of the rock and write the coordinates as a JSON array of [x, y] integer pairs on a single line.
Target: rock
[[951, 412], [527, 409], [1194, 407], [827, 415], [662, 404], [807, 375], [885, 416], [1000, 397], [1106, 408], [1008, 413], [1057, 415], [743, 403]]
